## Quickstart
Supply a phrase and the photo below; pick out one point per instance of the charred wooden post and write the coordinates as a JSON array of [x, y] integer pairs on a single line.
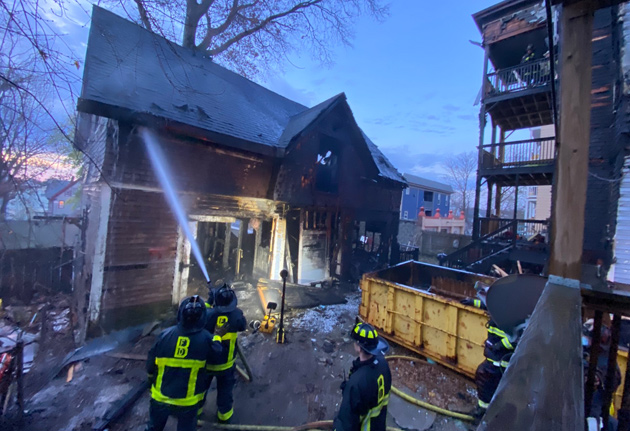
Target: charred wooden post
[[19, 376], [226, 245], [567, 220], [547, 371]]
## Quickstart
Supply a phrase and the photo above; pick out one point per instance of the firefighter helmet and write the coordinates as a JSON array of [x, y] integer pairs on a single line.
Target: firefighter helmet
[[192, 313], [225, 299], [368, 339]]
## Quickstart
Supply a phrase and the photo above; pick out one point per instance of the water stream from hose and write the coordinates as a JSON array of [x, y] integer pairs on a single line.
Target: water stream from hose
[[165, 178]]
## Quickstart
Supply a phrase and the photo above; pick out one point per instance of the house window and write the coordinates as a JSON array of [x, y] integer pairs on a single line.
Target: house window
[[406, 215], [428, 196], [61, 204], [444, 230], [407, 190], [428, 213], [531, 209], [326, 178]]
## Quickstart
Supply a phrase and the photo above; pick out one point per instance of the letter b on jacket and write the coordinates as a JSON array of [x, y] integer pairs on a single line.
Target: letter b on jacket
[[181, 351]]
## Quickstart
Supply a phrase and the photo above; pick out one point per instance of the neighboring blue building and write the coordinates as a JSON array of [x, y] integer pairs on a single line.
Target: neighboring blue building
[[424, 193]]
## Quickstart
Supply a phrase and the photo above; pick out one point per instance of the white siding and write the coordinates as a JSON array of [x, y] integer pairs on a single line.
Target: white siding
[[621, 270]]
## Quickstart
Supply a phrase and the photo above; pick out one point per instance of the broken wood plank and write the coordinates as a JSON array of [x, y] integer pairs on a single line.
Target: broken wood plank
[[499, 271], [131, 356], [70, 373]]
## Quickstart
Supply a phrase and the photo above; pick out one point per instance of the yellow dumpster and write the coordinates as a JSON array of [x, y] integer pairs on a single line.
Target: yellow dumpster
[[417, 306]]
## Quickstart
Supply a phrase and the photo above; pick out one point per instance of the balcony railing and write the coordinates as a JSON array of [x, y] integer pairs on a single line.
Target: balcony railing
[[518, 78], [525, 229], [531, 152]]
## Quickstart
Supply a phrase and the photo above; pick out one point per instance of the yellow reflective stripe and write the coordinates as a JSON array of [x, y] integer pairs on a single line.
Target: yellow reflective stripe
[[504, 338], [158, 396], [231, 337], [505, 364], [225, 416], [477, 303], [200, 411], [179, 363], [483, 405], [216, 338], [191, 398], [493, 362], [372, 413], [220, 367]]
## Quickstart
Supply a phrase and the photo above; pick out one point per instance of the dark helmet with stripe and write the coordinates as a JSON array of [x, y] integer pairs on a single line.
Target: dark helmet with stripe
[[225, 299], [192, 313], [368, 339]]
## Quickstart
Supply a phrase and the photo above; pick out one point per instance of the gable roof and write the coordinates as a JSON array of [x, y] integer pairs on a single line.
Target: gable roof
[[54, 188], [129, 69], [425, 183]]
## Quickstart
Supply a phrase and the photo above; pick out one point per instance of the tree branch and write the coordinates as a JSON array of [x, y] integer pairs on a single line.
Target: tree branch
[[264, 23], [143, 15]]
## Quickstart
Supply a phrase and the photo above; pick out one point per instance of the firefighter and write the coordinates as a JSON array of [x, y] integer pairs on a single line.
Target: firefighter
[[529, 55], [175, 367], [366, 392], [225, 320], [497, 351], [594, 415]]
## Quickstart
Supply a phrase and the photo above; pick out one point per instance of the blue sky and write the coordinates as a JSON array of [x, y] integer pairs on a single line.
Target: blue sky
[[411, 81]]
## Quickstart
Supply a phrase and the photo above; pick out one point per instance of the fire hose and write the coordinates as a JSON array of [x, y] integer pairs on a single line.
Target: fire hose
[[312, 426], [424, 404], [326, 425]]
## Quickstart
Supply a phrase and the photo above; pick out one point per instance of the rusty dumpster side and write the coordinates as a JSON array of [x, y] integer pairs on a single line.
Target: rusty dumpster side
[[435, 325]]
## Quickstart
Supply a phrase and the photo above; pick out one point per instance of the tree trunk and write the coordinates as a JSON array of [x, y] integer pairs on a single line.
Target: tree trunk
[[190, 24]]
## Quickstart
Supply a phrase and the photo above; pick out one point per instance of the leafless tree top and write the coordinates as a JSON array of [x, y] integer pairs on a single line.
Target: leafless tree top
[[250, 35]]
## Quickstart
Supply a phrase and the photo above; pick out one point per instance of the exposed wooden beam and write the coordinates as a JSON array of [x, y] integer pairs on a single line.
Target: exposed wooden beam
[[567, 235]]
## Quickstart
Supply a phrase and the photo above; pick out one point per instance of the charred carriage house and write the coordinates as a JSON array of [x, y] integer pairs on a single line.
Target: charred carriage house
[[267, 182]]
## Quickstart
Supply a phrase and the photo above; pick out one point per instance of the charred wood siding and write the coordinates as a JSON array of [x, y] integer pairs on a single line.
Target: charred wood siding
[[140, 259], [357, 182], [526, 19], [96, 137], [197, 166], [604, 147]]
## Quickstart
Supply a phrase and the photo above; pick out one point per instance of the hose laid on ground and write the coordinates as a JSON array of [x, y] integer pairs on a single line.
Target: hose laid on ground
[[312, 426], [250, 376], [424, 404]]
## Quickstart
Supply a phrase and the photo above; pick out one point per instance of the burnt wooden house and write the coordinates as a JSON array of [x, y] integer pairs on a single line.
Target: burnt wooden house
[[516, 95], [267, 182]]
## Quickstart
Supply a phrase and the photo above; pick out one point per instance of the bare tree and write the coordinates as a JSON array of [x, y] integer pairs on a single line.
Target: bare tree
[[27, 151], [460, 170], [247, 35]]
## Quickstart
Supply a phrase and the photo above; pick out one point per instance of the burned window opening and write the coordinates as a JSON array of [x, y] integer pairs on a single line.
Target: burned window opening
[[326, 170]]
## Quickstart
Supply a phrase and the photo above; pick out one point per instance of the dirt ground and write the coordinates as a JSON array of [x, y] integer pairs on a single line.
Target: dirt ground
[[294, 383]]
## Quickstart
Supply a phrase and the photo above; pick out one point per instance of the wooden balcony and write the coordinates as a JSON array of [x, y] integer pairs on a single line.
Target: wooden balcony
[[533, 160], [520, 96], [533, 76]]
